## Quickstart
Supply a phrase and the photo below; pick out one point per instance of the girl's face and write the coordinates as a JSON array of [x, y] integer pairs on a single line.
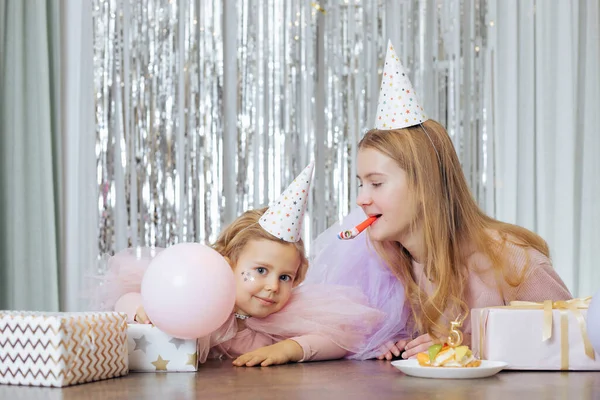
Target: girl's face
[[265, 272], [384, 191]]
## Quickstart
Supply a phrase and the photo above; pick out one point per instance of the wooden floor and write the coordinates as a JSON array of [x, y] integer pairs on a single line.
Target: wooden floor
[[324, 380]]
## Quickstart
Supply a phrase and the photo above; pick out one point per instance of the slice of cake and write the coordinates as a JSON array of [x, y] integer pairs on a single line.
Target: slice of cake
[[439, 355]]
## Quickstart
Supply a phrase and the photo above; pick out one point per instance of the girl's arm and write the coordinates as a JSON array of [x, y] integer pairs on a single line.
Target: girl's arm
[[297, 349], [318, 348]]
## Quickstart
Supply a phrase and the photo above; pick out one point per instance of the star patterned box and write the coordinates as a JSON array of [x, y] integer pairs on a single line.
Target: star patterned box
[[152, 350], [62, 349]]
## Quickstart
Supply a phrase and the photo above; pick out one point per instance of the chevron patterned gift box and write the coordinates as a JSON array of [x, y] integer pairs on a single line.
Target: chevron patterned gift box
[[62, 349]]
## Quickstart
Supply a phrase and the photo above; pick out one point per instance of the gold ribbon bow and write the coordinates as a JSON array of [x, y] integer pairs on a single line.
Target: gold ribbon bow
[[573, 305]]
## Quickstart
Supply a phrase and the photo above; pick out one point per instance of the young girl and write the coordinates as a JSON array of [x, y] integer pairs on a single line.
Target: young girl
[[449, 256], [275, 320]]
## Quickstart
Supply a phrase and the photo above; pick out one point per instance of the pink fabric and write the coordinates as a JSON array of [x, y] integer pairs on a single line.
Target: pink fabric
[[318, 348], [327, 321], [314, 347], [540, 283], [355, 263], [124, 274]]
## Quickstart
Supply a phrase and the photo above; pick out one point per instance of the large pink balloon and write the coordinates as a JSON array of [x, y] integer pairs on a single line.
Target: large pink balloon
[[188, 290]]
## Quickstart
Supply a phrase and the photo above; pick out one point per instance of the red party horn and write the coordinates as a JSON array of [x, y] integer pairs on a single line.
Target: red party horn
[[351, 234]]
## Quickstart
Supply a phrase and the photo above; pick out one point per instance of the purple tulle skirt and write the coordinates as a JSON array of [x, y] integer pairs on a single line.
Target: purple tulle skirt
[[355, 263]]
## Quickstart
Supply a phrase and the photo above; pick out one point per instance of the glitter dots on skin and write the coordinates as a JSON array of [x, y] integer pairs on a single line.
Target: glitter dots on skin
[[248, 276]]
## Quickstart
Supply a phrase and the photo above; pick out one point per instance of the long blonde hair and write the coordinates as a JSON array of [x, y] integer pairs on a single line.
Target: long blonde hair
[[452, 223], [245, 228]]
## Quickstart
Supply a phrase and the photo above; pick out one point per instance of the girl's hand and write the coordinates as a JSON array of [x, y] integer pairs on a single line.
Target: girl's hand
[[141, 316], [418, 345], [391, 350], [275, 354], [422, 343]]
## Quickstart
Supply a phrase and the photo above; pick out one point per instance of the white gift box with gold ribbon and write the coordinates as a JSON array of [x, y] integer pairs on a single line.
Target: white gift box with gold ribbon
[[535, 336], [61, 349], [152, 350]]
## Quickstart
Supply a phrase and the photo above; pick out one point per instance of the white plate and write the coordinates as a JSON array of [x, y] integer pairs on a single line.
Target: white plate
[[412, 368]]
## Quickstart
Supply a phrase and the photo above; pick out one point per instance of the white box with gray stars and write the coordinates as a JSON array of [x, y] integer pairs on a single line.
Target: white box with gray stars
[[152, 350]]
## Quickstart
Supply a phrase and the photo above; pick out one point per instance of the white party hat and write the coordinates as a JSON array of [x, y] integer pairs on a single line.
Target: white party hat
[[283, 219], [398, 106]]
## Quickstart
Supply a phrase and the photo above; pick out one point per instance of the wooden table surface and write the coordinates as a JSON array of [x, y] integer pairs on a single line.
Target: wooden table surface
[[320, 380]]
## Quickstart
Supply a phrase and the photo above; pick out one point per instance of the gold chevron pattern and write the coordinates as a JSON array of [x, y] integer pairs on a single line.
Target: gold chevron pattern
[[62, 349]]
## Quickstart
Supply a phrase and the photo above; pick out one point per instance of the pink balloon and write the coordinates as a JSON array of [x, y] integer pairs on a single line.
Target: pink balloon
[[128, 304], [188, 290]]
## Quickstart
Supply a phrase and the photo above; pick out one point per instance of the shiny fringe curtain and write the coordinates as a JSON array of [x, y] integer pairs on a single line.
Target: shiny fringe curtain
[[206, 108]]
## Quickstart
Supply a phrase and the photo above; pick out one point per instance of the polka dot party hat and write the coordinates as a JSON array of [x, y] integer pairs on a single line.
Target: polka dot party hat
[[283, 219], [398, 106]]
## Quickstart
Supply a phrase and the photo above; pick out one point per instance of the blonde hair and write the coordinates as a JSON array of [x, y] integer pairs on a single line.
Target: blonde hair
[[452, 224], [245, 228]]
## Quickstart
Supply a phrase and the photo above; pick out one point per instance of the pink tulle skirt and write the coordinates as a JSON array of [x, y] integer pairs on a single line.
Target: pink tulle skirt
[[354, 263], [124, 273], [339, 313]]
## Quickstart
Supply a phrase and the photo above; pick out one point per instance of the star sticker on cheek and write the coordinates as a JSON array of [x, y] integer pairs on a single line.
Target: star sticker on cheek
[[248, 277]]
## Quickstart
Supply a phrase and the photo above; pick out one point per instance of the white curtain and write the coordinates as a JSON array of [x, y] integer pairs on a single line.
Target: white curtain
[[48, 190], [545, 106], [80, 225], [30, 154]]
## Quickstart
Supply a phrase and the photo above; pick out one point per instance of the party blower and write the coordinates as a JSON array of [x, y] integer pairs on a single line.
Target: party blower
[[351, 234]]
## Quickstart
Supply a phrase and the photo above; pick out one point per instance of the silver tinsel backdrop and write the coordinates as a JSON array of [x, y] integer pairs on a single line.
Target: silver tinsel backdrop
[[206, 108]]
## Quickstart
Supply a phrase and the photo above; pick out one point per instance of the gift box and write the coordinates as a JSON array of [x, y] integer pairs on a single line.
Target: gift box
[[535, 336], [152, 350], [62, 349]]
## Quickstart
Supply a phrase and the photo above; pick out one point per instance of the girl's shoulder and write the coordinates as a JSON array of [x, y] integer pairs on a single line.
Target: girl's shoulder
[[506, 253], [520, 272]]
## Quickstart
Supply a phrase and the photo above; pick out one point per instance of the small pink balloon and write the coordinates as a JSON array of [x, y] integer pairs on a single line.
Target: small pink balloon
[[128, 304], [188, 290]]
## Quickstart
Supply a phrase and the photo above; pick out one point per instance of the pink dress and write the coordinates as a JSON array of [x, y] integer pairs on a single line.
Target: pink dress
[[327, 321], [540, 283]]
